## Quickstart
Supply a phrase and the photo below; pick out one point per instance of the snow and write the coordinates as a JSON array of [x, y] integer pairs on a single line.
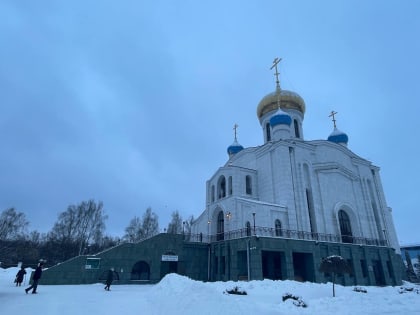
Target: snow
[[177, 294]]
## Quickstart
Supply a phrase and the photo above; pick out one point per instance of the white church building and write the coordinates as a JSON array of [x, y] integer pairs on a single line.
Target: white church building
[[290, 188]]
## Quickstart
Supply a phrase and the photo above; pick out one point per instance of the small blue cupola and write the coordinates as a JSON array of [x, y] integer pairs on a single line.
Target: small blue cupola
[[337, 136], [235, 147]]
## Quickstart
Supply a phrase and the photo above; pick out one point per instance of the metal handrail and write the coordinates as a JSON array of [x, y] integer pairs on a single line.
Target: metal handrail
[[285, 234]]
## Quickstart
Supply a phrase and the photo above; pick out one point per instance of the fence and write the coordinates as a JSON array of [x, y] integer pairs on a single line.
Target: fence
[[286, 234]]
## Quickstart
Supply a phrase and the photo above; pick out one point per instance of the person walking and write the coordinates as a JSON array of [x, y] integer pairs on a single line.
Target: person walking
[[35, 279], [19, 276], [109, 279]]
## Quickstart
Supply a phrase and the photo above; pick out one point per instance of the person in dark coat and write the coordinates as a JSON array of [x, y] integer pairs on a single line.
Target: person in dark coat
[[35, 279], [109, 279], [19, 276]]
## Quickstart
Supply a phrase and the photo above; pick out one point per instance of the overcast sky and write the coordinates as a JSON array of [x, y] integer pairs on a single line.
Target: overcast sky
[[132, 103]]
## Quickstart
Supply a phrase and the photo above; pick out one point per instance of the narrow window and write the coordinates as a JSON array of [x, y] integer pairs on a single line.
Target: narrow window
[[248, 184], [309, 201], [220, 226], [345, 227], [248, 228], [230, 185], [212, 193], [297, 133], [277, 225], [268, 132]]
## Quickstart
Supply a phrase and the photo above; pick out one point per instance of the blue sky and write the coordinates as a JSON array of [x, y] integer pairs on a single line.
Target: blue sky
[[133, 102]]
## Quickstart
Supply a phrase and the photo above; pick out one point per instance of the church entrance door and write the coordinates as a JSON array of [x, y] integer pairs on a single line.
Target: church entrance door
[[303, 265]]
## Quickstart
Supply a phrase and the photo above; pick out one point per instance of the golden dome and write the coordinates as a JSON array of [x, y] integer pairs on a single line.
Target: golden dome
[[288, 100]]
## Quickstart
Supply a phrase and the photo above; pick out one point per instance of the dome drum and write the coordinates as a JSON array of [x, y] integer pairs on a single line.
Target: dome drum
[[281, 119]]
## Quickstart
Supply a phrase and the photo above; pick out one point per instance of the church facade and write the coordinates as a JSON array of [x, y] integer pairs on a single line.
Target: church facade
[[298, 201], [272, 212]]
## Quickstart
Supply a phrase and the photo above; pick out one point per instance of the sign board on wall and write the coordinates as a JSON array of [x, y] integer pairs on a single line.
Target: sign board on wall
[[169, 257], [92, 263]]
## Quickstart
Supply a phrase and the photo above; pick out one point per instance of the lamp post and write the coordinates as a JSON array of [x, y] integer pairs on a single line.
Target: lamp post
[[183, 227], [253, 215], [209, 250], [248, 262]]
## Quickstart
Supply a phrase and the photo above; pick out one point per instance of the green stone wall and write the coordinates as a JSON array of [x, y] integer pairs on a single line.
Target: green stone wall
[[278, 258]]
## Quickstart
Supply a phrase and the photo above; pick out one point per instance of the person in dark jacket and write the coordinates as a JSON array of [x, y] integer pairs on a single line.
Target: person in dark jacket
[[19, 276], [109, 279], [35, 279]]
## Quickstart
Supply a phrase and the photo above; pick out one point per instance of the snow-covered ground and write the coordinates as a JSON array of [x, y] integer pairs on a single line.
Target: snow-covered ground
[[176, 294]]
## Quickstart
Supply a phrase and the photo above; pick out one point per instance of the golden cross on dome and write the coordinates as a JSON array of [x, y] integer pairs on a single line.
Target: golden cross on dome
[[275, 63], [235, 127], [333, 113]]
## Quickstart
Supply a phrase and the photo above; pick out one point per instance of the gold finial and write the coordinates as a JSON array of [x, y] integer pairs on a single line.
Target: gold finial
[[333, 113], [235, 127], [275, 63]]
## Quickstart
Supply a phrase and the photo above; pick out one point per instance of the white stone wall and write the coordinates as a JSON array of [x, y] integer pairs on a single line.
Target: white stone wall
[[282, 172]]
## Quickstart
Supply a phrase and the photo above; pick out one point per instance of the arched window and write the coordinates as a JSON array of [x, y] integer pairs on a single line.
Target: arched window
[[220, 226], [277, 225], [221, 187], [248, 228], [140, 271], [230, 186], [248, 185], [212, 193], [297, 133], [268, 132], [345, 227]]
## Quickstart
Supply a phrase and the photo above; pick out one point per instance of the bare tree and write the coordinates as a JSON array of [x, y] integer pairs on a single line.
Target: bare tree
[[188, 224], [150, 223], [140, 229], [13, 224], [80, 224], [175, 226], [134, 231]]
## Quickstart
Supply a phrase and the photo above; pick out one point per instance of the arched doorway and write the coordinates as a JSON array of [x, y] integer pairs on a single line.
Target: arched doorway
[[140, 271]]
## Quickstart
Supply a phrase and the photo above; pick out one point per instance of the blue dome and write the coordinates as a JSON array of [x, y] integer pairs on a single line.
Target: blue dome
[[338, 136], [281, 118], [234, 148]]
